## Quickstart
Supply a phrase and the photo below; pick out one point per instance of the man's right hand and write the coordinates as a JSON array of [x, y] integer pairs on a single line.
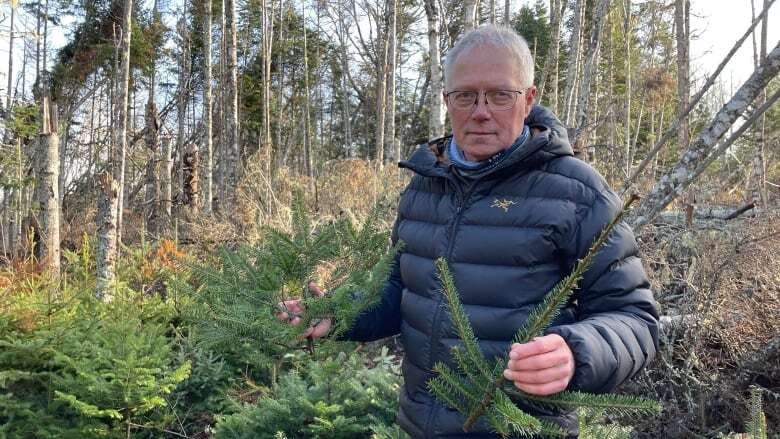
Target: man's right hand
[[293, 309]]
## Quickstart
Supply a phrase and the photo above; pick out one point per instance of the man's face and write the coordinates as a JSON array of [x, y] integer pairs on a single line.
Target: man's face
[[481, 132]]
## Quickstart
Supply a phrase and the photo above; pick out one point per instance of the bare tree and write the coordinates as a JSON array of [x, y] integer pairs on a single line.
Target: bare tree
[[120, 132], [152, 196], [392, 37], [682, 9], [233, 158], [570, 92], [383, 35], [307, 152], [437, 114], [682, 174], [550, 71], [591, 63], [208, 153], [166, 186]]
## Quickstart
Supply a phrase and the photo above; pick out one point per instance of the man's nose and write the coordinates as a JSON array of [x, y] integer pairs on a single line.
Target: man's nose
[[481, 110]]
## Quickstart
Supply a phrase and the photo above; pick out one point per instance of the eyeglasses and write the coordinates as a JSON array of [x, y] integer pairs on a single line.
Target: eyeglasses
[[497, 100]]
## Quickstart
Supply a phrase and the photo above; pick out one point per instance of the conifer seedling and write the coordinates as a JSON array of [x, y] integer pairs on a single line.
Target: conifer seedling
[[478, 389], [239, 294]]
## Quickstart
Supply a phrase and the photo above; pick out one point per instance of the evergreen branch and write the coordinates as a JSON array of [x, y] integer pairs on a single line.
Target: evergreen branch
[[572, 399], [458, 385], [443, 390], [460, 320], [519, 421], [544, 314]]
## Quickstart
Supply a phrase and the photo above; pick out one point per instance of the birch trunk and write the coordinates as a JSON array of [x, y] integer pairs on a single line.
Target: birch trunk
[[267, 50], [682, 174], [106, 234], [629, 154], [9, 89], [573, 66], [191, 186], [233, 162], [208, 153], [306, 103], [436, 124], [383, 35], [47, 192], [591, 64], [182, 101], [390, 140], [469, 15], [120, 132]]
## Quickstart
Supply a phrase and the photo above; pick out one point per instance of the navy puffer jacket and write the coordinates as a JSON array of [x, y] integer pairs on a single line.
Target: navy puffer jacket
[[510, 234]]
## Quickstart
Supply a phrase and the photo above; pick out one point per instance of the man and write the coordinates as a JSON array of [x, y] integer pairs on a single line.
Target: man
[[510, 208]]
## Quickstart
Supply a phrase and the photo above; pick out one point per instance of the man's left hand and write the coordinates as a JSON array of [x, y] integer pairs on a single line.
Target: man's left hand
[[542, 367]]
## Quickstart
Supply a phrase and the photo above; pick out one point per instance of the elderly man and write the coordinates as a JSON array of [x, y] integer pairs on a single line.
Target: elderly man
[[510, 208]]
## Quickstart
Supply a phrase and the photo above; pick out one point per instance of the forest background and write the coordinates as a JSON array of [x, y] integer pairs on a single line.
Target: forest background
[[145, 137]]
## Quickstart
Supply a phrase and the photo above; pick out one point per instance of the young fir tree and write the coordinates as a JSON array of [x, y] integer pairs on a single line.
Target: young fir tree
[[239, 296], [478, 388]]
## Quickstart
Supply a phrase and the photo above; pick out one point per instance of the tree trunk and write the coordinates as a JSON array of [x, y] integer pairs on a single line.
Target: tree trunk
[[233, 162], [307, 152], [166, 186], [106, 234], [550, 71], [436, 124], [573, 67], [267, 50], [758, 189], [9, 89], [627, 102], [591, 65], [48, 194], [383, 36], [506, 12], [208, 153], [469, 15], [682, 174], [191, 189], [392, 37], [681, 21], [120, 132], [152, 196], [182, 101]]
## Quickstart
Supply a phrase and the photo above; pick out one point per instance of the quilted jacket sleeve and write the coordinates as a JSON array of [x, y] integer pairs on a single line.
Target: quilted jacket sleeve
[[616, 332], [385, 319]]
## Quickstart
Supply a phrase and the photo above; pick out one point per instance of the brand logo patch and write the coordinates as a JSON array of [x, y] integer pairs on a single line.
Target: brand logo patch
[[502, 204]]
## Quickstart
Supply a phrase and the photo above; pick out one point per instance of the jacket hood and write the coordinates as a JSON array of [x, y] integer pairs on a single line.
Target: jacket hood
[[548, 140]]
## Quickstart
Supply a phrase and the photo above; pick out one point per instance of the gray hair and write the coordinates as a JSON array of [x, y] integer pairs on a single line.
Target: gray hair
[[501, 37]]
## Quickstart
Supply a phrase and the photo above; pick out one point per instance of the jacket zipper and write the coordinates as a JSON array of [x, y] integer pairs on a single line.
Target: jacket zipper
[[461, 207]]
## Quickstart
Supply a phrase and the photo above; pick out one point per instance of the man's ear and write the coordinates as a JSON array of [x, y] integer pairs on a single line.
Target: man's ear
[[530, 95]]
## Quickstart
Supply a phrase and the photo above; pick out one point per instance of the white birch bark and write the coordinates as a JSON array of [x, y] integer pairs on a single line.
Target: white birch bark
[[629, 153], [9, 89], [390, 140], [108, 198], [233, 159], [436, 124], [307, 152], [383, 35], [208, 153], [573, 66], [672, 185], [469, 15], [120, 132], [152, 192]]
